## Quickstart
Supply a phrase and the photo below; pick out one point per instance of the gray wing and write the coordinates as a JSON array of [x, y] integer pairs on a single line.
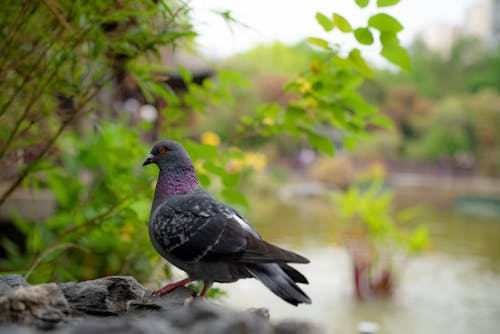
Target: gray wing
[[196, 227]]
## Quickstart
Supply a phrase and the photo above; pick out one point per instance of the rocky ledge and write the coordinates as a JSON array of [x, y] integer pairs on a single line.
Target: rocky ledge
[[119, 304]]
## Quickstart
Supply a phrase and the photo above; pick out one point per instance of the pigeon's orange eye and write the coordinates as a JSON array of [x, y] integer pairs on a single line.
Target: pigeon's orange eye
[[162, 149]]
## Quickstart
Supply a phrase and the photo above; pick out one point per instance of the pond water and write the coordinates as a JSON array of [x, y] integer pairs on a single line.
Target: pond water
[[452, 288]]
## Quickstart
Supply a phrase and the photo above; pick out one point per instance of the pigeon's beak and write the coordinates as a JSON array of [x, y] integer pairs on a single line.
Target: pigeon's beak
[[149, 160]]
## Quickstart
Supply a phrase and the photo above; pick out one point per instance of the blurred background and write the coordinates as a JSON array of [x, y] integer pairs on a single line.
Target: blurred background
[[363, 134]]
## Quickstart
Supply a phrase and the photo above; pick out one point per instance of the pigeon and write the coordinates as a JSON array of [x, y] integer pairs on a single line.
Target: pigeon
[[208, 239]]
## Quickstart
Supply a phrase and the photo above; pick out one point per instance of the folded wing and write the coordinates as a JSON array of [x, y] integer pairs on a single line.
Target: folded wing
[[198, 227]]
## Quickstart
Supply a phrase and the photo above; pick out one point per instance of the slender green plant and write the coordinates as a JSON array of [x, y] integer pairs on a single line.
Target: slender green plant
[[377, 235]]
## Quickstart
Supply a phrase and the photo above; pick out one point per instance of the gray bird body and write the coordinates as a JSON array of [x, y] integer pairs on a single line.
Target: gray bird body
[[209, 240], [187, 230]]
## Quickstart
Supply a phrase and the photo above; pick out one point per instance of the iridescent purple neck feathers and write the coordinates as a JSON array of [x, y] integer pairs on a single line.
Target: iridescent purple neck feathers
[[175, 180]]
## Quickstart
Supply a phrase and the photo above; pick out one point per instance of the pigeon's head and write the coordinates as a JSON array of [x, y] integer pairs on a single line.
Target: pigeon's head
[[168, 153]]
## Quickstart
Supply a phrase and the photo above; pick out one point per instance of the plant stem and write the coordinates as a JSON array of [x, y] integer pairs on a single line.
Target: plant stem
[[55, 244]]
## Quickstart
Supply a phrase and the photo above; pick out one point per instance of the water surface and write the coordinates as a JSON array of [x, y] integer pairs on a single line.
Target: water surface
[[452, 288]]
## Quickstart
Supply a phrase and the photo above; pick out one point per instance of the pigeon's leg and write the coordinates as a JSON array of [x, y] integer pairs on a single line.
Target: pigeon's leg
[[206, 287], [169, 287]]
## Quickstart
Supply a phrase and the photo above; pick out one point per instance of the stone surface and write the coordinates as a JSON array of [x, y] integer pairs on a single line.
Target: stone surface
[[42, 306], [119, 304], [295, 327], [106, 296], [11, 282]]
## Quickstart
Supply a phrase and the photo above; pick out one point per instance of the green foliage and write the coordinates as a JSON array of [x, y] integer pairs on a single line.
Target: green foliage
[[213, 293], [367, 211], [56, 61], [57, 57], [364, 36], [387, 3], [324, 21], [486, 116], [458, 131], [362, 3], [483, 73], [439, 107], [322, 43], [326, 95], [360, 64], [340, 22], [397, 55], [384, 22], [103, 204], [469, 67]]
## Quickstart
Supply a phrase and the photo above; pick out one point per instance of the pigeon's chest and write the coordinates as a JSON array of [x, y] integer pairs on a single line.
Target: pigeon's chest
[[171, 226], [170, 230]]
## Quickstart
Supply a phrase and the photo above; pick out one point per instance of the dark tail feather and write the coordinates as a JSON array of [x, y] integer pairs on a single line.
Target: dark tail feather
[[276, 280], [294, 273]]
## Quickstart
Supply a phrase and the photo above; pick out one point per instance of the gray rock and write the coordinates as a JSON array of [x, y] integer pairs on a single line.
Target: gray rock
[[11, 282], [42, 306], [106, 296], [204, 317], [126, 324], [119, 304], [17, 329], [14, 281], [198, 317], [297, 327]]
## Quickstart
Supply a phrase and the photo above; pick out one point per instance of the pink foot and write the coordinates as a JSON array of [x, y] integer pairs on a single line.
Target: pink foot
[[206, 287], [169, 287]]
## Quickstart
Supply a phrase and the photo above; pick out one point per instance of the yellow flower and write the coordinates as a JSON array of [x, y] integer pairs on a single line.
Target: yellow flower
[[268, 121], [257, 161], [234, 166], [305, 86], [300, 80], [210, 138], [199, 166]]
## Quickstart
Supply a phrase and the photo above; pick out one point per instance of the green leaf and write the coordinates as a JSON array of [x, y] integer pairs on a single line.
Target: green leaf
[[340, 22], [214, 169], [321, 143], [360, 64], [364, 36], [356, 101], [419, 238], [349, 142], [200, 151], [324, 21], [231, 179], [382, 121], [318, 42], [385, 22], [408, 214], [362, 3], [341, 62], [388, 37], [235, 197], [397, 55], [187, 77], [386, 3], [204, 180]]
